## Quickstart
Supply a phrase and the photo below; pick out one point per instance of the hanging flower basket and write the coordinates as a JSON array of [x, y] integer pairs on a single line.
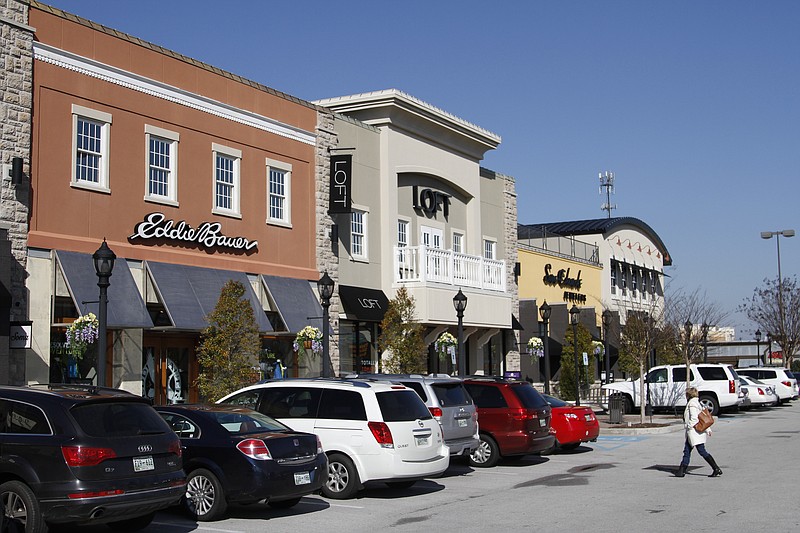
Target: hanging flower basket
[[308, 338], [445, 344], [597, 348], [81, 334], [535, 348]]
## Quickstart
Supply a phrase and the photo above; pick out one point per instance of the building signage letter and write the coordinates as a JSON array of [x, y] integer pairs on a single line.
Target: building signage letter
[[206, 235], [430, 201], [341, 184]]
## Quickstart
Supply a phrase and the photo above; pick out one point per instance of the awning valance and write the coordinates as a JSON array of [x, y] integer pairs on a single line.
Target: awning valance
[[364, 304], [298, 304]]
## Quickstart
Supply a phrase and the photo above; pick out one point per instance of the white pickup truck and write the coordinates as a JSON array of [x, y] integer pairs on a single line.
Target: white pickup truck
[[717, 385]]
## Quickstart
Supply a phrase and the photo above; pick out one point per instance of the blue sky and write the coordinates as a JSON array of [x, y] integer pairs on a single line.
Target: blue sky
[[694, 105]]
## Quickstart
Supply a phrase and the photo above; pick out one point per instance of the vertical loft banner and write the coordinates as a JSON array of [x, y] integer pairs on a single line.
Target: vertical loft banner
[[341, 184]]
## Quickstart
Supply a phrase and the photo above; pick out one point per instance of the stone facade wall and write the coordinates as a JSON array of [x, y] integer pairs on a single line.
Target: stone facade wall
[[327, 247], [16, 107], [510, 235]]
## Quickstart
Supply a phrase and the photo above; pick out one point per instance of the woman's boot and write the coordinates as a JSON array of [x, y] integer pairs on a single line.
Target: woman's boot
[[681, 471], [717, 471]]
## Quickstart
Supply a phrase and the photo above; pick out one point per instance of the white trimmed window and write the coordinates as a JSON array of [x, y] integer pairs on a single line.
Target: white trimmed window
[[489, 249], [162, 165], [358, 234], [458, 242], [402, 238], [90, 146], [279, 188], [227, 164]]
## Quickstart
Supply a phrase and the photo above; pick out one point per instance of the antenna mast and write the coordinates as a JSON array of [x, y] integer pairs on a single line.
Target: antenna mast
[[607, 183]]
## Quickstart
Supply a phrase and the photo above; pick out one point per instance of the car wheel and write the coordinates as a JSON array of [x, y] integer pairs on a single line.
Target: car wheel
[[21, 508], [284, 504], [132, 524], [342, 478], [710, 403], [205, 498], [486, 455], [405, 484]]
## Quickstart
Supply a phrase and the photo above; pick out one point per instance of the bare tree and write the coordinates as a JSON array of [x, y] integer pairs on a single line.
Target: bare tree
[[775, 307]]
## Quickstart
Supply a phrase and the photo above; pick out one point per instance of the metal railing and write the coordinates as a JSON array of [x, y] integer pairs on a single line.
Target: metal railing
[[421, 264]]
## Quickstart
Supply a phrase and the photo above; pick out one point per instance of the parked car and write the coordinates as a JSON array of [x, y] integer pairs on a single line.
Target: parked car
[[573, 424], [514, 419], [717, 385], [785, 384], [233, 454], [84, 455], [449, 403], [370, 430], [759, 394]]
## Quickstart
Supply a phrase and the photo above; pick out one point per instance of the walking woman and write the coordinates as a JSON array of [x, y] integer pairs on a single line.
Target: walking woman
[[695, 439]]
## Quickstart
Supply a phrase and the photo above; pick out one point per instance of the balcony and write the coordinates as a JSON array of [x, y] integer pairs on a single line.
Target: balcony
[[422, 264]]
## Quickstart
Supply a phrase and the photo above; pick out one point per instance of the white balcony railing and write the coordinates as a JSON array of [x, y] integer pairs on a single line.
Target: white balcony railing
[[421, 264]]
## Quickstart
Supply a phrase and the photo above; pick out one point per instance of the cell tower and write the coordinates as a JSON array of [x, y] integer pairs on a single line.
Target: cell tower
[[607, 183]]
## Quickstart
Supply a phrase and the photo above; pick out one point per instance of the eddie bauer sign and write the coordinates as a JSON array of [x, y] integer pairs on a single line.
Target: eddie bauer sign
[[564, 281], [206, 235]]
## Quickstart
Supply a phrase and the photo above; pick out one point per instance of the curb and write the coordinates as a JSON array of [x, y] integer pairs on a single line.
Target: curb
[[623, 430]]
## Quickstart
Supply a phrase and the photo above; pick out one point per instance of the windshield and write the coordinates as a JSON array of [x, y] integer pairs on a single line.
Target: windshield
[[118, 419], [528, 396], [554, 402], [241, 422]]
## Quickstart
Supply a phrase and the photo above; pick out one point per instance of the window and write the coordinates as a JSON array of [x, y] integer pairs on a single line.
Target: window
[[458, 243], [162, 165], [489, 249], [226, 180], [90, 142], [342, 405], [624, 276], [279, 178], [657, 376], [613, 277], [402, 239], [634, 279], [22, 418], [358, 234]]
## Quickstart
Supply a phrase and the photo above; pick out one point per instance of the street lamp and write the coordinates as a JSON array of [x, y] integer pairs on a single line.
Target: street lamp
[[777, 235], [769, 348], [606, 326], [758, 345], [704, 330], [325, 288], [574, 315], [460, 303], [545, 311], [103, 265]]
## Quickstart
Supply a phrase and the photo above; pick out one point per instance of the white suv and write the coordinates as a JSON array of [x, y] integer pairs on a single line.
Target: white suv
[[717, 385], [371, 431], [784, 383]]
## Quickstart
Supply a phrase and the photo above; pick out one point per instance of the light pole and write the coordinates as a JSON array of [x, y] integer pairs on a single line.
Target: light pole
[[606, 326], [758, 345], [545, 311], [704, 330], [777, 235], [769, 348], [687, 328], [325, 287], [574, 315], [460, 303], [103, 265]]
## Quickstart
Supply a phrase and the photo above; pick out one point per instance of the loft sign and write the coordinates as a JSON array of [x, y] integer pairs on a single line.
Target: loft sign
[[206, 235], [341, 184], [369, 303], [430, 201]]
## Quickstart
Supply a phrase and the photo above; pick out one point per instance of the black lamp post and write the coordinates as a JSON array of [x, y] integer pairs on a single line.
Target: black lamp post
[[574, 315], [545, 311], [704, 330], [769, 348], [758, 345], [460, 303], [687, 327], [325, 288], [103, 265], [606, 326]]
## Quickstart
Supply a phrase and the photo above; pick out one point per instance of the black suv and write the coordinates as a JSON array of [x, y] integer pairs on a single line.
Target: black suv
[[84, 455]]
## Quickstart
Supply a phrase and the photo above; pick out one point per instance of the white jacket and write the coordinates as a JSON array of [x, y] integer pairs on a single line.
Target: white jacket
[[691, 415]]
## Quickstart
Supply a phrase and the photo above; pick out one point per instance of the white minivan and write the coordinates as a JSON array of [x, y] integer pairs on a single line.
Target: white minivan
[[785, 384], [371, 431]]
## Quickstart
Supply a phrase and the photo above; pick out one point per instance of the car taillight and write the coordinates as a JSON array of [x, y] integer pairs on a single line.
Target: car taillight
[[86, 455], [175, 447], [382, 434], [319, 446], [787, 383], [255, 448], [96, 494], [761, 391], [731, 386], [436, 412], [524, 414]]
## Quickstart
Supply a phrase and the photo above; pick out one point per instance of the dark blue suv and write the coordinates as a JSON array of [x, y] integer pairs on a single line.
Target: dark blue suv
[[84, 455]]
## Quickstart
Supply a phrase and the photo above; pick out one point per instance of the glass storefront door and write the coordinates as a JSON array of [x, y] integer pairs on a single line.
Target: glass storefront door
[[169, 367]]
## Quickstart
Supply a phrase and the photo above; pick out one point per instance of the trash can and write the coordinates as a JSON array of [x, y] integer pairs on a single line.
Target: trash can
[[615, 405]]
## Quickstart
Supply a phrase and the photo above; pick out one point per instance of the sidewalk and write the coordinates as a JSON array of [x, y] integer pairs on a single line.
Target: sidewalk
[[631, 424]]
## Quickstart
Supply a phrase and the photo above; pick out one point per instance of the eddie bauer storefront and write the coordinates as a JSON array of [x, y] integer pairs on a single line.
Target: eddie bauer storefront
[[161, 308]]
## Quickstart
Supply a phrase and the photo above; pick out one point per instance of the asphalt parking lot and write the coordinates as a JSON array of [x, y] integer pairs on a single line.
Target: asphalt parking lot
[[622, 482]]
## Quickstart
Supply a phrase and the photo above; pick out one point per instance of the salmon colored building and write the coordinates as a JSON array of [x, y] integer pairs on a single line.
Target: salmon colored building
[[192, 175]]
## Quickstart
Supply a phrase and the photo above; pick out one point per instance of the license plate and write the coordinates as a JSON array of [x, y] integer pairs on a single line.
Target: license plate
[[542, 422], [422, 441], [142, 464], [462, 422], [302, 478]]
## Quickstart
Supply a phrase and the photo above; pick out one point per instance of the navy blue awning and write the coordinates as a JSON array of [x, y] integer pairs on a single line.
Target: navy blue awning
[[126, 308], [297, 302], [190, 293]]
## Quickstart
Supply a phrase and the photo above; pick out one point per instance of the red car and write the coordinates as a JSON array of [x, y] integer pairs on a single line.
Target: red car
[[572, 424]]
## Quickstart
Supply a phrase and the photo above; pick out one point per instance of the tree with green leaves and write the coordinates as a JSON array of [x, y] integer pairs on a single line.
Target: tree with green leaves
[[775, 307], [566, 382], [229, 346], [401, 336]]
